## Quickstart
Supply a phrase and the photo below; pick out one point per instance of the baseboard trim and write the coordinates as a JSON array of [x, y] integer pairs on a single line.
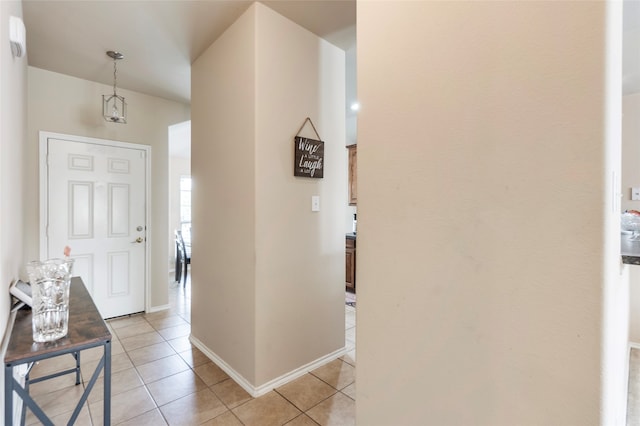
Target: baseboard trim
[[634, 345], [256, 391]]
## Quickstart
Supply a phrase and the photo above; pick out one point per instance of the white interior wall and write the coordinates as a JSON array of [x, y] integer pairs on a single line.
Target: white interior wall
[[497, 154], [63, 104], [268, 274], [615, 279], [223, 301], [13, 126], [300, 254]]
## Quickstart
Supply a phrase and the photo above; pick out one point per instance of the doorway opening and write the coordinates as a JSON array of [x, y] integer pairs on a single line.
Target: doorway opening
[[179, 191]]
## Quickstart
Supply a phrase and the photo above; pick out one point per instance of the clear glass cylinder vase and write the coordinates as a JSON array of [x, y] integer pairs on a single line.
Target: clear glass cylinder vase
[[50, 280]]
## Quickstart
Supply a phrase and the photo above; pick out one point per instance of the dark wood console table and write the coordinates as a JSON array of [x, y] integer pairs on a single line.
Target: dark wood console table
[[87, 330]]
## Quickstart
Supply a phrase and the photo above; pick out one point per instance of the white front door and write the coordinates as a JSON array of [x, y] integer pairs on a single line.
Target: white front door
[[96, 204]]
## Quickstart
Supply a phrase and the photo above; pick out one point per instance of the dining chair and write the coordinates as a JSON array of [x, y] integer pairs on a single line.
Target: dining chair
[[183, 258]]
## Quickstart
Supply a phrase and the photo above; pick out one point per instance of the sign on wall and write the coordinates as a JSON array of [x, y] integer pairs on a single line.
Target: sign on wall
[[309, 154], [309, 158]]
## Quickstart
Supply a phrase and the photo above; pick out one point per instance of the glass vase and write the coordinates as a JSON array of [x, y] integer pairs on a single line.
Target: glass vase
[[50, 280]]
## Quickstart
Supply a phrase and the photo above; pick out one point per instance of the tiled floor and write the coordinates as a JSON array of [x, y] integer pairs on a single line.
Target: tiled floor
[[633, 398], [159, 378]]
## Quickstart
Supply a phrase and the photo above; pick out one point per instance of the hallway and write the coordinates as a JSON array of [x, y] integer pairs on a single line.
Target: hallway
[[159, 378]]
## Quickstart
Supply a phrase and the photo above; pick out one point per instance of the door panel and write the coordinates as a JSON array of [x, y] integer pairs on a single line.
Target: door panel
[[96, 202], [118, 210], [80, 210]]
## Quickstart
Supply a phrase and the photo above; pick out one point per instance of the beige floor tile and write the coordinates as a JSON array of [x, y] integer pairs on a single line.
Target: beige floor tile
[[633, 395], [150, 353], [302, 420], [175, 387], [161, 368], [124, 406], [150, 418], [119, 362], [350, 338], [175, 332], [141, 340], [306, 391], [350, 391], [167, 322], [93, 354], [268, 410], [337, 373], [231, 393], [134, 330], [350, 319], [53, 365], [181, 344], [225, 419], [350, 357], [337, 410], [210, 373], [194, 357], [52, 385], [193, 409], [156, 316], [121, 382], [56, 403], [126, 321], [83, 419], [116, 347]]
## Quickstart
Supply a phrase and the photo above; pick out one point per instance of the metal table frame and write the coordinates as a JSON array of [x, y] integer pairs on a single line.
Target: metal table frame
[[86, 330]]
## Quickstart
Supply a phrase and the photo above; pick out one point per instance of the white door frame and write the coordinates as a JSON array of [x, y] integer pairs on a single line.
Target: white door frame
[[44, 207]]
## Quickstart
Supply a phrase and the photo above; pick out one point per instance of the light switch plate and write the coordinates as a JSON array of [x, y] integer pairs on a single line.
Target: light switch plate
[[315, 203], [635, 193]]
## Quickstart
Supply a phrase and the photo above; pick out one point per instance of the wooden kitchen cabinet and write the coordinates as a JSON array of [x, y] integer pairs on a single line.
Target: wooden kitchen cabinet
[[353, 174], [351, 264]]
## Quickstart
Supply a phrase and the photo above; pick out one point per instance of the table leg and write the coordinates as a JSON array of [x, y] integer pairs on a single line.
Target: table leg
[[8, 395], [76, 355], [107, 383]]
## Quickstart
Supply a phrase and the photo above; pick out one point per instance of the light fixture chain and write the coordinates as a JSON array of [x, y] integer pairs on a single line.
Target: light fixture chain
[[115, 75], [114, 107]]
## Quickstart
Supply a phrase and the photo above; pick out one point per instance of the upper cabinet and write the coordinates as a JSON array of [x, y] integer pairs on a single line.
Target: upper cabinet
[[353, 174]]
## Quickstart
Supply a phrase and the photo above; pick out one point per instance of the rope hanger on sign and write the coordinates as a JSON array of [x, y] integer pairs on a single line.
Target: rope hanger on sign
[[314, 128]]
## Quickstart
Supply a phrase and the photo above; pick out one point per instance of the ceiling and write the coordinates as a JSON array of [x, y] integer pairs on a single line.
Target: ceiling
[[159, 39]]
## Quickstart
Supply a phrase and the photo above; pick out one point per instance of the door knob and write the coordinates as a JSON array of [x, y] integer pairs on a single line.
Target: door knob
[[138, 240]]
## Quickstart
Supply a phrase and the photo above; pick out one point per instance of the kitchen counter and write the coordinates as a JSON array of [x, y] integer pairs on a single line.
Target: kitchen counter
[[630, 250]]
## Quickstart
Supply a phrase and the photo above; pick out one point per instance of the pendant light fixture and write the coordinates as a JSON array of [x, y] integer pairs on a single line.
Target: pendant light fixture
[[114, 108]]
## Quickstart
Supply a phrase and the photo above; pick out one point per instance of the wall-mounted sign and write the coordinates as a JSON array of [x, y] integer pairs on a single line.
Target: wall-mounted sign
[[309, 157]]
